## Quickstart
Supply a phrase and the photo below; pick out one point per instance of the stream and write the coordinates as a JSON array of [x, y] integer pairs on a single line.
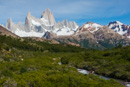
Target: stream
[[83, 71]]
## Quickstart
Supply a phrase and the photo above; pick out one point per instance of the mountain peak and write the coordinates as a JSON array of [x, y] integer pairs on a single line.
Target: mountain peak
[[119, 22], [89, 26], [89, 22], [116, 22], [65, 21], [48, 16], [46, 12], [29, 14], [9, 20], [119, 27]]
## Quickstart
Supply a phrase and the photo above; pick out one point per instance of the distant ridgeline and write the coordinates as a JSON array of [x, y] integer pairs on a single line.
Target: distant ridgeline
[[90, 35]]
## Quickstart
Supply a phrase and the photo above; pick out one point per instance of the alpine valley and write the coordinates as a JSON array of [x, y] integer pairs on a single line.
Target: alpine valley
[[46, 53], [89, 35]]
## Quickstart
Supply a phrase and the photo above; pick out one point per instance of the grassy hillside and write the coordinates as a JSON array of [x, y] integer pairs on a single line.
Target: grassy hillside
[[29, 63]]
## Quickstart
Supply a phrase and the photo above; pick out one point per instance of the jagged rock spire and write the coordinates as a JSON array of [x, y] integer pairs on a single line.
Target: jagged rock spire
[[8, 24], [48, 16], [29, 14], [28, 22], [42, 25]]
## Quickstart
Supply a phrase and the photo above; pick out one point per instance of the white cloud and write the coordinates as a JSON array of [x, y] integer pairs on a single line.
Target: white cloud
[[73, 9], [94, 8]]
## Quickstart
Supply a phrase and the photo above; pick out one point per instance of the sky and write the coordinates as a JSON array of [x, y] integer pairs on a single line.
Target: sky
[[80, 11]]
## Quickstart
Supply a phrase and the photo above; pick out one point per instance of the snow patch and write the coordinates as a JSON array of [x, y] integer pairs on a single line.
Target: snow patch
[[87, 26], [118, 22], [35, 23], [45, 22], [117, 27], [121, 32], [63, 32], [28, 34], [76, 28], [2, 25], [94, 25]]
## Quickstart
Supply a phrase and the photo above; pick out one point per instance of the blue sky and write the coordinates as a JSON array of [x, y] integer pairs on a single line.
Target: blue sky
[[81, 11]]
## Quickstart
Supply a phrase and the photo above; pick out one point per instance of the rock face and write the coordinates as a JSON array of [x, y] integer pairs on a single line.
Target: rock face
[[120, 28], [37, 27], [65, 28], [86, 40], [48, 18], [72, 25], [12, 26], [33, 24], [49, 35], [109, 39]]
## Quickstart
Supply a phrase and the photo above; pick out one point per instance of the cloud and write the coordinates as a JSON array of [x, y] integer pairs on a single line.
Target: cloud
[[94, 8], [64, 9]]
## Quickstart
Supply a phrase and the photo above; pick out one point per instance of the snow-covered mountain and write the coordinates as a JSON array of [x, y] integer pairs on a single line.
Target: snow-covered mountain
[[48, 18], [120, 28], [89, 27], [65, 28], [37, 27], [89, 35]]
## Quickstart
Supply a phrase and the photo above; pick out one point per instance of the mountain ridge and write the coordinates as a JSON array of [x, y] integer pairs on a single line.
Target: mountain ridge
[[4, 31], [89, 35], [40, 26], [47, 23], [120, 28]]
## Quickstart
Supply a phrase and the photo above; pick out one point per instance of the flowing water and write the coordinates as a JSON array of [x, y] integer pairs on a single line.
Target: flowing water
[[83, 71]]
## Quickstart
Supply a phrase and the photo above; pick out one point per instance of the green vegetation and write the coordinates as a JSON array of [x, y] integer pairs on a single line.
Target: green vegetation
[[113, 63], [29, 63]]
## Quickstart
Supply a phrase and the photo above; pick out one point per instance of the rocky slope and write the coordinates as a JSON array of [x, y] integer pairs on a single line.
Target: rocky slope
[[96, 37], [49, 35], [109, 39], [4, 31]]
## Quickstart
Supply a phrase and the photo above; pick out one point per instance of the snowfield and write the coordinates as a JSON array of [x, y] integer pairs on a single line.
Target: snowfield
[[28, 34]]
